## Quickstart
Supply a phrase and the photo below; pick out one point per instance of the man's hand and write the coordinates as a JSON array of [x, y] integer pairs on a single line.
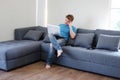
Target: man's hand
[[70, 24], [72, 34]]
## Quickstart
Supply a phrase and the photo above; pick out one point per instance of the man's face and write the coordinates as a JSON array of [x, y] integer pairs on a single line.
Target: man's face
[[67, 21]]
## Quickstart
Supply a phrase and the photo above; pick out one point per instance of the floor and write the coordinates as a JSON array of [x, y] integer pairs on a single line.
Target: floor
[[36, 71]]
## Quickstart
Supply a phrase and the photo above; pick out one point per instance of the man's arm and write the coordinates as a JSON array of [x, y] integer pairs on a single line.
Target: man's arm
[[72, 33]]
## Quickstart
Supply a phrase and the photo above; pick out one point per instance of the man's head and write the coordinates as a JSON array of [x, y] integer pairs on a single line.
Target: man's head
[[69, 19]]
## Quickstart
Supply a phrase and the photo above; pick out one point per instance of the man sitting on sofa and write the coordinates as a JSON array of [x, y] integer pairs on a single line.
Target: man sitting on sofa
[[66, 31]]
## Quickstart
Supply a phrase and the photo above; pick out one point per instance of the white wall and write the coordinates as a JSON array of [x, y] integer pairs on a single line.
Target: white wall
[[15, 14], [90, 14]]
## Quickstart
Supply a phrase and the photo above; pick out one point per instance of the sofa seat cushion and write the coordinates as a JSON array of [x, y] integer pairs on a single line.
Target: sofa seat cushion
[[14, 49], [103, 57], [76, 53]]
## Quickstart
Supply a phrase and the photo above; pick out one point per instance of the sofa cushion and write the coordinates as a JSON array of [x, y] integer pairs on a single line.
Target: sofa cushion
[[107, 32], [19, 33], [33, 35], [15, 49], [76, 53], [79, 30], [84, 40], [103, 57], [108, 42], [106, 57]]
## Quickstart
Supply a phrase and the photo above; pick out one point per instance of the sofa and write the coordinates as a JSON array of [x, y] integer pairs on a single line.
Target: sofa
[[87, 57], [18, 52]]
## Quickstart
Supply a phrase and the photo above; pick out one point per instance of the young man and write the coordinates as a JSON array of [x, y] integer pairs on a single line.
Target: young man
[[66, 31]]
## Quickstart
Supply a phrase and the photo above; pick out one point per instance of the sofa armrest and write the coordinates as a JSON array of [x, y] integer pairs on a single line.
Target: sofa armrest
[[20, 32]]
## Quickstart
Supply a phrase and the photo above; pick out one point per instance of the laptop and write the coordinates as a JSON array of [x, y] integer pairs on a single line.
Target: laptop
[[55, 29]]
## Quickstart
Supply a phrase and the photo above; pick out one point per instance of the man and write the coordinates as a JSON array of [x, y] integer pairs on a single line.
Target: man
[[66, 31]]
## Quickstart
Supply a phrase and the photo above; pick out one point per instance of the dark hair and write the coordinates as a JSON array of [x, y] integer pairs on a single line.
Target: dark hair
[[70, 17]]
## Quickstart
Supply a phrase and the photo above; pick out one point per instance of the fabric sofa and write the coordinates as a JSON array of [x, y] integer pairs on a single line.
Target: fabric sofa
[[20, 52], [99, 61]]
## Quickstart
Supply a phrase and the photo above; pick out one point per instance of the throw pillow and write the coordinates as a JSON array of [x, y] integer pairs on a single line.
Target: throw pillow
[[84, 40], [33, 35], [108, 42]]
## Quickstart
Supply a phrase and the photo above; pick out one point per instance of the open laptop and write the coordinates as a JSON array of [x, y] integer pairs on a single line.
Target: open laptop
[[55, 29]]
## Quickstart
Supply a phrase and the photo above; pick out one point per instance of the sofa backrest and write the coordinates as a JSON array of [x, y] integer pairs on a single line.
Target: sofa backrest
[[20, 32], [97, 32], [79, 30], [43, 29]]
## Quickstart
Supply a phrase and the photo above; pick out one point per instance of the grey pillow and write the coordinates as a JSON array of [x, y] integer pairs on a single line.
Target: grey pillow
[[108, 42], [33, 35], [84, 40], [79, 30]]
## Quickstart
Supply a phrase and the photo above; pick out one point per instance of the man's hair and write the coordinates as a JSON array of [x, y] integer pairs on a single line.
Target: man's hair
[[70, 17]]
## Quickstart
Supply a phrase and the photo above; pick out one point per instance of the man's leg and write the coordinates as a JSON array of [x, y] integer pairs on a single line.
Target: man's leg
[[52, 31], [51, 57], [52, 53], [55, 44]]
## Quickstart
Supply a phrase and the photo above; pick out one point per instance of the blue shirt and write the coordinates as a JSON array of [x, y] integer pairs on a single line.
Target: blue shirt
[[65, 31]]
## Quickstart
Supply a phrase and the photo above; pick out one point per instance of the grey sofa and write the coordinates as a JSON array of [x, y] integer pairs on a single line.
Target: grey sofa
[[99, 61], [20, 52]]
